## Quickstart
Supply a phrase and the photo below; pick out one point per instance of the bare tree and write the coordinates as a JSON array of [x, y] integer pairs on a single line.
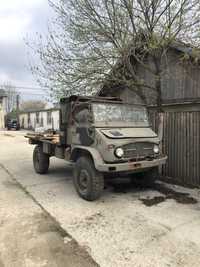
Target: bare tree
[[92, 42], [11, 94]]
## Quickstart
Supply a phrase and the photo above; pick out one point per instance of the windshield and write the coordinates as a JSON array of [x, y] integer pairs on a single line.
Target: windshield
[[107, 112]]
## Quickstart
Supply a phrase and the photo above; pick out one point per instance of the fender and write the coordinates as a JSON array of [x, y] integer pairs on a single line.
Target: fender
[[96, 156]]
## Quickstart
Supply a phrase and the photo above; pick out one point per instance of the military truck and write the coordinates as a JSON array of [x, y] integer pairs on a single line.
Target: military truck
[[100, 137]]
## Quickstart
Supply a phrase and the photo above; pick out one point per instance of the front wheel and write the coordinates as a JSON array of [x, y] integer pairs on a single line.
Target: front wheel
[[40, 160], [89, 183]]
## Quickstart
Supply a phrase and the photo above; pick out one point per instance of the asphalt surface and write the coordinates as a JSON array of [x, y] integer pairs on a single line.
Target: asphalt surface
[[29, 236], [128, 226]]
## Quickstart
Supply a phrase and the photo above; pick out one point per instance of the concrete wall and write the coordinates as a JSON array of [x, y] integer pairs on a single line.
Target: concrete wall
[[48, 119]]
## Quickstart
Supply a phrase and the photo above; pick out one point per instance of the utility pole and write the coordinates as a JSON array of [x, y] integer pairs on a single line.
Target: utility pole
[[17, 107]]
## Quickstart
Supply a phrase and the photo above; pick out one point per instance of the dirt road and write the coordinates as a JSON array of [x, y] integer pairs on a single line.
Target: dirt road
[[128, 226]]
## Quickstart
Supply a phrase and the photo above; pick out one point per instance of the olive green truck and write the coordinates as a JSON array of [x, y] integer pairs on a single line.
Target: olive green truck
[[100, 137]]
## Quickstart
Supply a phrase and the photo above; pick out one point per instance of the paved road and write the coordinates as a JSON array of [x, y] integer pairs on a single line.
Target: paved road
[[128, 226], [29, 236]]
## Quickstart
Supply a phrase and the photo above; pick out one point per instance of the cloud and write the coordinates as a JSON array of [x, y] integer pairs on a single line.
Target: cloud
[[18, 19], [12, 28], [19, 5]]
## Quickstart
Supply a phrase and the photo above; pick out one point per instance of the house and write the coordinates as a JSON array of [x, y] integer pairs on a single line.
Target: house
[[47, 119], [180, 93], [3, 105]]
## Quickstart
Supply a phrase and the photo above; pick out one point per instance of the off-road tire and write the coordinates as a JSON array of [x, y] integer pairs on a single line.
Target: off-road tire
[[95, 180], [146, 179], [40, 160]]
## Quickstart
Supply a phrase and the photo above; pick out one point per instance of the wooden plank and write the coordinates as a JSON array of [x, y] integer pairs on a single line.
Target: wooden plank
[[171, 149], [182, 144], [185, 148], [188, 148], [178, 136], [169, 144], [164, 141], [191, 149], [174, 147], [195, 147], [198, 146]]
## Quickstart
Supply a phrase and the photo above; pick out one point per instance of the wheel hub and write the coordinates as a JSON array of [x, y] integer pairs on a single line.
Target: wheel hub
[[83, 179]]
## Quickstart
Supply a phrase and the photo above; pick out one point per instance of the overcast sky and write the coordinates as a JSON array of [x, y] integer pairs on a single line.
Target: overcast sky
[[19, 19]]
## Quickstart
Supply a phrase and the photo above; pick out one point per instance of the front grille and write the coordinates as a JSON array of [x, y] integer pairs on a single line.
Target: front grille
[[138, 150]]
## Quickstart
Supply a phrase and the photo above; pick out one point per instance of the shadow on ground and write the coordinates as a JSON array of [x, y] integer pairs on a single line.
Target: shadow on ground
[[124, 187], [179, 197]]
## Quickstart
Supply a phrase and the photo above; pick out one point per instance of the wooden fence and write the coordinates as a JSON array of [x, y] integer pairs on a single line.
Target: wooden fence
[[181, 143]]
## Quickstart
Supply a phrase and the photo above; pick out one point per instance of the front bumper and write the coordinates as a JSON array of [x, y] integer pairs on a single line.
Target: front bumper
[[131, 166]]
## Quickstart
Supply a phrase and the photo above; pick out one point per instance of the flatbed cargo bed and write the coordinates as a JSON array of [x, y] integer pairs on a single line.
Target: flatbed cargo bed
[[53, 138]]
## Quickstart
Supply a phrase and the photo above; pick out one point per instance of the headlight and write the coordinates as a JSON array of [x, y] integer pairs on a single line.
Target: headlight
[[119, 152], [156, 149]]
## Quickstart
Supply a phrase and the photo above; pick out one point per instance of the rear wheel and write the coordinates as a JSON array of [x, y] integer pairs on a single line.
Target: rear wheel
[[40, 160], [145, 179], [89, 183]]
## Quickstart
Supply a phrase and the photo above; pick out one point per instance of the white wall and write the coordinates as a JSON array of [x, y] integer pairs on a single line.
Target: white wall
[[43, 122], [32, 123], [23, 120], [56, 119], [4, 103], [2, 114]]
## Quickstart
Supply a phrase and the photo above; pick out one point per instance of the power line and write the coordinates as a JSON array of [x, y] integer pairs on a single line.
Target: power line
[[31, 92], [28, 90], [24, 87], [28, 93]]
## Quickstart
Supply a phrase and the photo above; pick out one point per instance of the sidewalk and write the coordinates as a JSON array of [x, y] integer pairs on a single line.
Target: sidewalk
[[29, 237]]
